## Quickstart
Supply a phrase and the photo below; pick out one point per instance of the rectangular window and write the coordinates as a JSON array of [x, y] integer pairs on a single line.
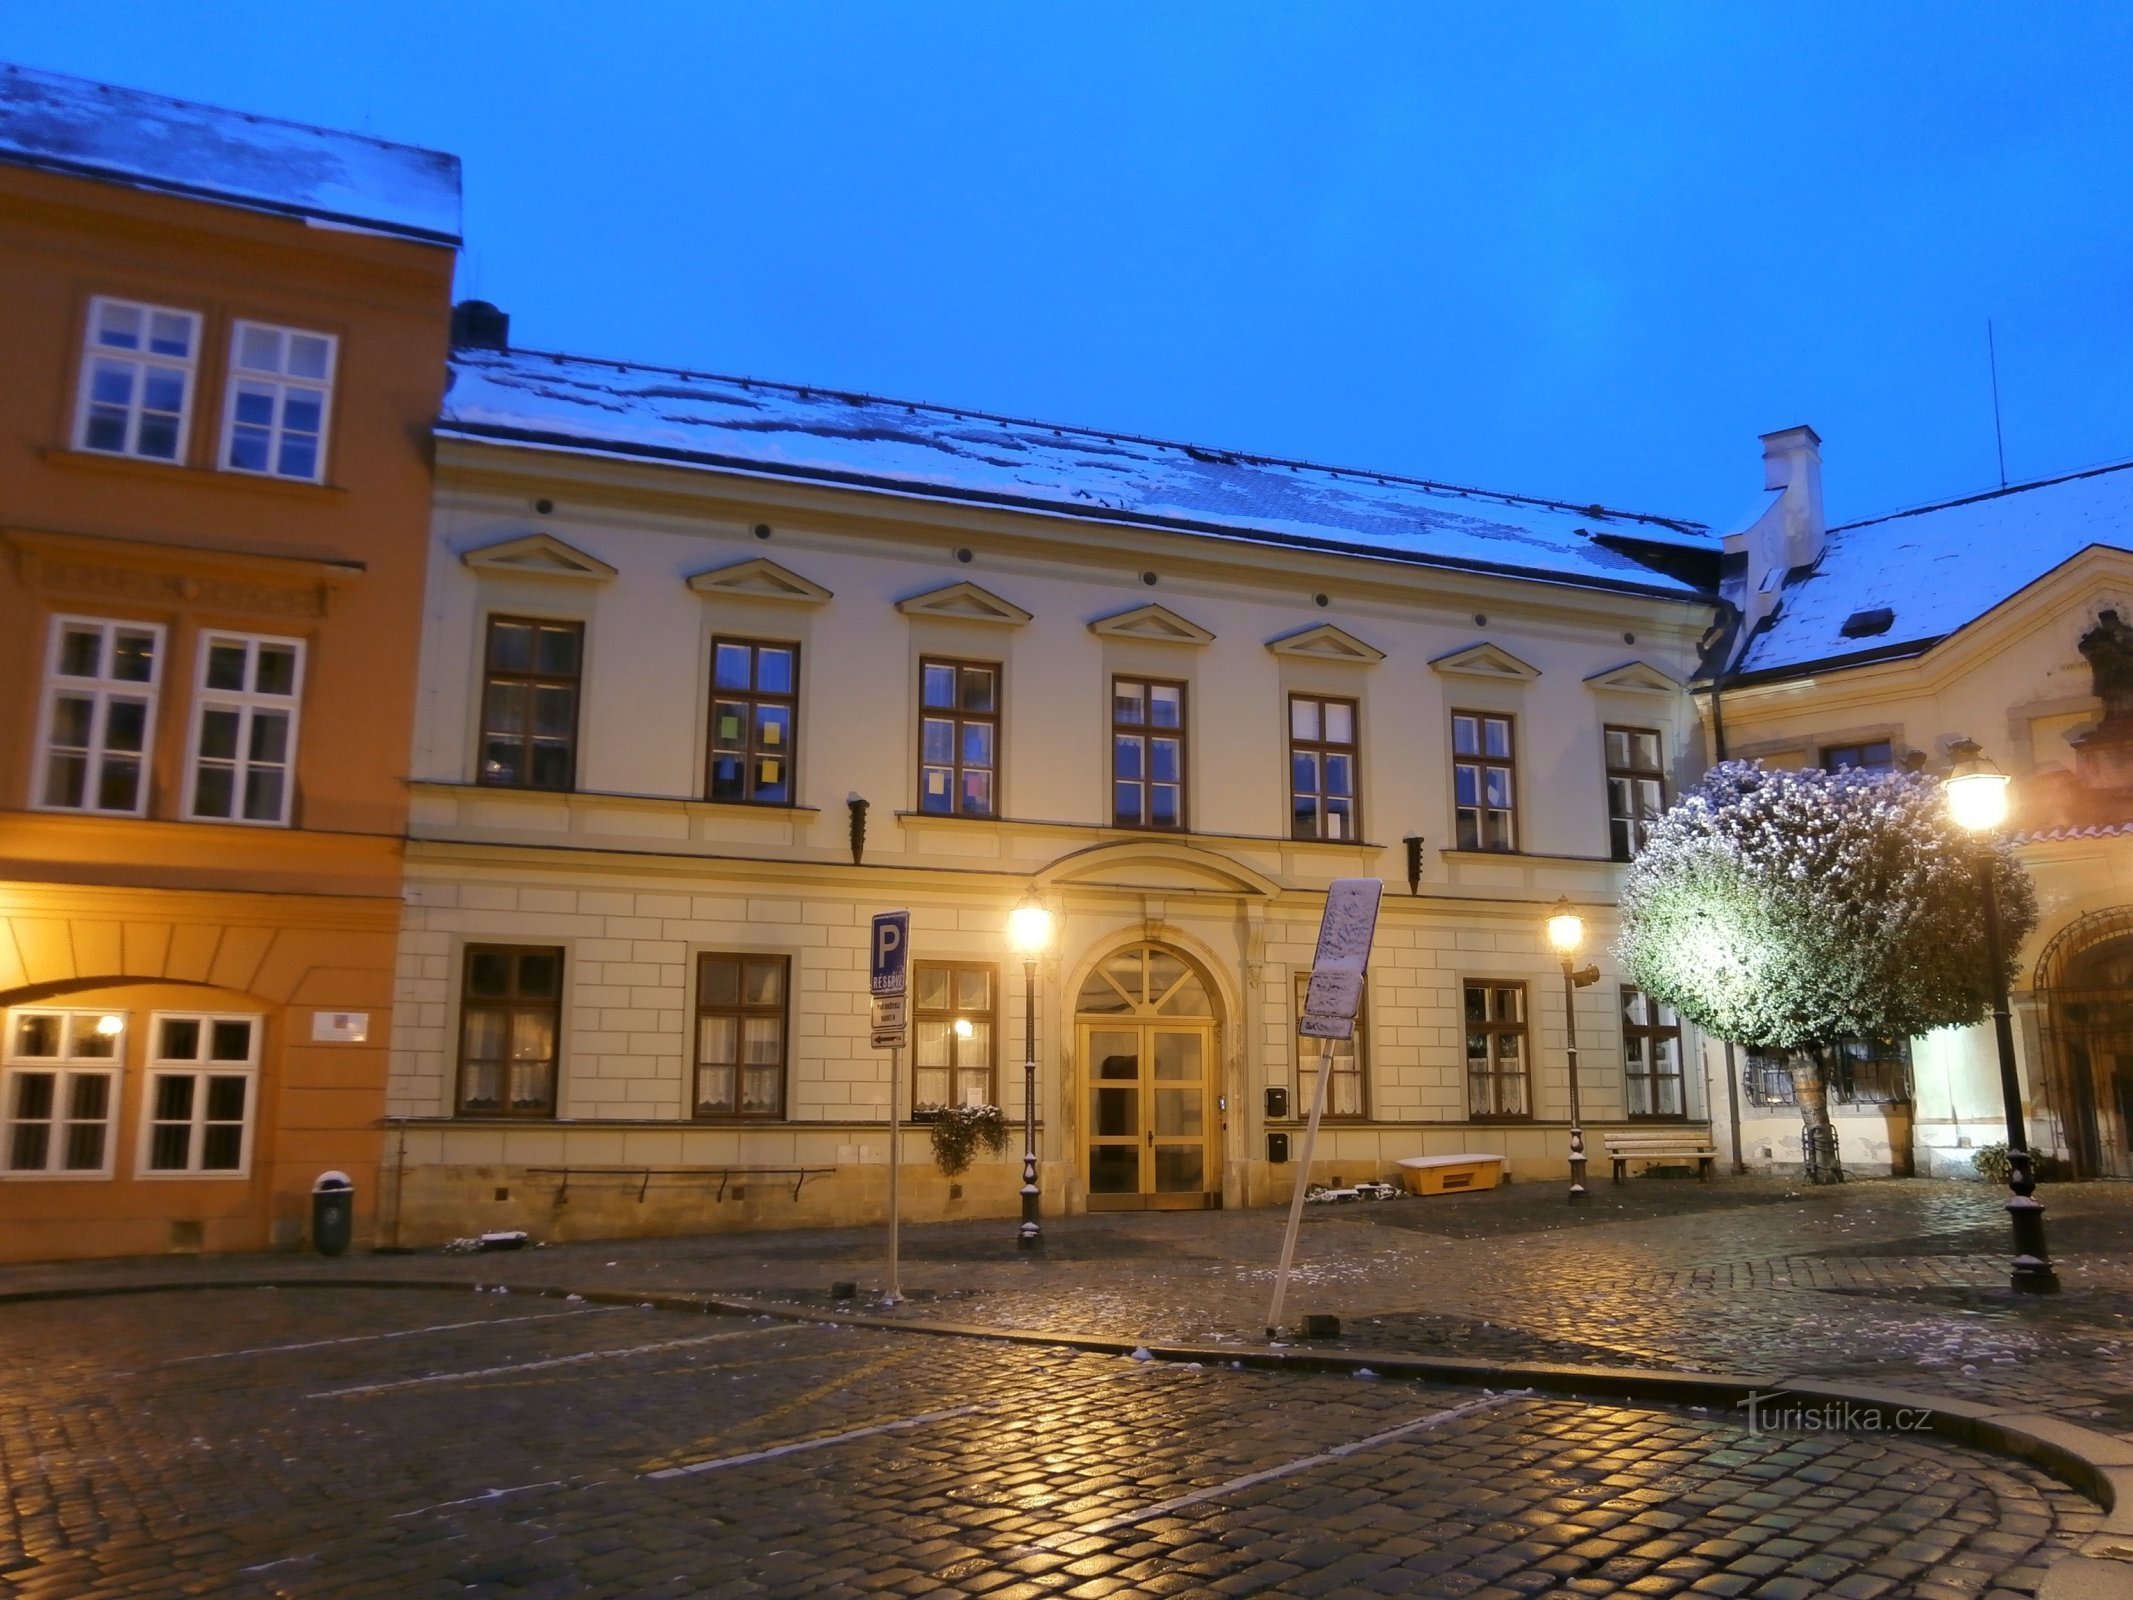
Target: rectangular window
[[202, 1076], [755, 701], [510, 1019], [1147, 753], [137, 380], [1767, 1079], [1496, 1080], [1869, 1072], [1484, 795], [1636, 789], [1651, 1057], [740, 1035], [60, 1085], [1878, 756], [952, 1015], [99, 715], [1322, 768], [244, 729], [529, 703], [958, 737], [281, 388], [1344, 1090]]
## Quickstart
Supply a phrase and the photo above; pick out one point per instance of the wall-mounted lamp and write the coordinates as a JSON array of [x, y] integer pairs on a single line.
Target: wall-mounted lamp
[[857, 805], [1414, 862]]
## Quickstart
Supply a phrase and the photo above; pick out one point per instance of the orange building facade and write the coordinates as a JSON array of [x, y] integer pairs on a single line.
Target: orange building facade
[[225, 345]]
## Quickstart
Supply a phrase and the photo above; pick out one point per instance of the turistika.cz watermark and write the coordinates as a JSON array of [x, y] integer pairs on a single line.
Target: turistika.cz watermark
[[1786, 1413]]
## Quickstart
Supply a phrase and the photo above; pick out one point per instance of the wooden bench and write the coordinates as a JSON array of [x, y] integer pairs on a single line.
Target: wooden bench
[[1687, 1144]]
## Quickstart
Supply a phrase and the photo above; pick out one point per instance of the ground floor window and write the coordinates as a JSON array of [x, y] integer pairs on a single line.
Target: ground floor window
[[1496, 1074], [202, 1076], [1344, 1090], [1858, 1072], [511, 1014], [740, 1036], [952, 1016], [60, 1084], [1651, 1057]]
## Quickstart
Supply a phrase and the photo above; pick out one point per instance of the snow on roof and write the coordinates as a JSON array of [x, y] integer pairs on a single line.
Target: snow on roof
[[102, 131], [819, 434], [1940, 567]]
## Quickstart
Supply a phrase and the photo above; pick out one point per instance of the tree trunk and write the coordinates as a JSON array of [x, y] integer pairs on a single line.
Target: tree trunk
[[1818, 1140]]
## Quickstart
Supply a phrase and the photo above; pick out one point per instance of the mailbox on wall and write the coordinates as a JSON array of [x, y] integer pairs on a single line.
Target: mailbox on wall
[[1277, 1147], [1277, 1103]]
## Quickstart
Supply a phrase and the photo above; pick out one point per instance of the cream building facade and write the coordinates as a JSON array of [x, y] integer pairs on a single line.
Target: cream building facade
[[1881, 643], [714, 670]]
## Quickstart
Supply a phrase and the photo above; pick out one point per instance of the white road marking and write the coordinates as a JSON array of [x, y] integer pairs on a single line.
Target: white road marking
[[816, 1444], [473, 1500], [1126, 1519], [399, 1333], [514, 1369]]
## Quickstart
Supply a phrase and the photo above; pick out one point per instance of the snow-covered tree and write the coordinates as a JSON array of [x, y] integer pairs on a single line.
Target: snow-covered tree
[[1787, 910]]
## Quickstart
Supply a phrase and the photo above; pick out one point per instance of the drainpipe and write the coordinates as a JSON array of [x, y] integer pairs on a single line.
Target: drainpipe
[[1718, 740]]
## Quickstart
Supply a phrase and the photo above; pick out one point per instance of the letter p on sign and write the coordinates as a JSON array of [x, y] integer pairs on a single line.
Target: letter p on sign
[[891, 945]]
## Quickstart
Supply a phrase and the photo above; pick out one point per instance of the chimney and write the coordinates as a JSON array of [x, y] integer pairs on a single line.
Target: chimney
[[1792, 461], [477, 325], [1786, 532]]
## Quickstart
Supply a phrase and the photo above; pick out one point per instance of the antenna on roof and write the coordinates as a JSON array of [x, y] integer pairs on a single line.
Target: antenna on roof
[[1999, 443]]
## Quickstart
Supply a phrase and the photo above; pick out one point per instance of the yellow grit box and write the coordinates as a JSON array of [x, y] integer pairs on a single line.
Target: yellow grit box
[[1453, 1174]]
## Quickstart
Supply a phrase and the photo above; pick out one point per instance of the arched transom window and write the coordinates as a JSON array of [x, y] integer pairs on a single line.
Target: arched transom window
[[1145, 981]]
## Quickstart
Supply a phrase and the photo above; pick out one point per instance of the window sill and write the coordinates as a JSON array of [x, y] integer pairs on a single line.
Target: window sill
[[1113, 832], [1451, 852], [168, 472], [691, 804]]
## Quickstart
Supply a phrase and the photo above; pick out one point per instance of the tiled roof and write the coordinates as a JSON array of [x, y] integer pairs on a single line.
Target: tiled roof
[[101, 131], [809, 433], [1939, 567]]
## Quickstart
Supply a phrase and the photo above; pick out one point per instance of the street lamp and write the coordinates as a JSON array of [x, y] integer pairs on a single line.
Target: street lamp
[[1566, 931], [1977, 799], [1029, 930]]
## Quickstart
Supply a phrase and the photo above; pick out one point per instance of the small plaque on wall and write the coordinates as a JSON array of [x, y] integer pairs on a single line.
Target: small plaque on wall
[[340, 1027]]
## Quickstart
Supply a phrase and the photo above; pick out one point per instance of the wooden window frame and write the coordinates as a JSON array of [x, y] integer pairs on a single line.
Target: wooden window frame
[[533, 679], [1827, 757], [1481, 764], [249, 704], [200, 1069], [1628, 828], [62, 1123], [101, 692], [1145, 734], [139, 365], [1890, 1064], [741, 1011], [510, 1005], [1322, 751], [753, 751], [957, 1068], [958, 720], [1350, 1060], [1644, 1028], [277, 385], [1495, 1029]]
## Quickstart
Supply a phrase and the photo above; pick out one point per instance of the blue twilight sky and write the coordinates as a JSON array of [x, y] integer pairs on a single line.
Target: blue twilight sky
[[1577, 250]]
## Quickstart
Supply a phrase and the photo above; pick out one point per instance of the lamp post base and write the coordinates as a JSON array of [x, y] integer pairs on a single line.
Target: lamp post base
[[2032, 1273]]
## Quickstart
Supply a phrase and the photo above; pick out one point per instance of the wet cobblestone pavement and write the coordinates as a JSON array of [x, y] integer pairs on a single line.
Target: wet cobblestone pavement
[[324, 1442], [506, 1445]]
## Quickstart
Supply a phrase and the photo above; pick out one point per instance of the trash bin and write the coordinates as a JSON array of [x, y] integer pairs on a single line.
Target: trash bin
[[332, 1213]]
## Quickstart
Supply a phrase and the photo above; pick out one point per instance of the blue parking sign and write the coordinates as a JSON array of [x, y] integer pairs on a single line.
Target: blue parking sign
[[886, 958]]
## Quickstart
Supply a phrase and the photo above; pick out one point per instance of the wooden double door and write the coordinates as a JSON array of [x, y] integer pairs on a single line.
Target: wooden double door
[[1146, 1035]]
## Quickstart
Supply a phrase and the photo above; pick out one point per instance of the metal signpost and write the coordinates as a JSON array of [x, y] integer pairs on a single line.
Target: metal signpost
[[887, 964], [1330, 1005]]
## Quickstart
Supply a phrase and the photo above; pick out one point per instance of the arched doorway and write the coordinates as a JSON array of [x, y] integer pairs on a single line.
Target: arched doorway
[[1145, 1053], [2085, 981]]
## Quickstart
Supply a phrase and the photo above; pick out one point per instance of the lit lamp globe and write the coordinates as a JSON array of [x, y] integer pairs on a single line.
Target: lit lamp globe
[[1566, 929], [1977, 790], [1029, 927]]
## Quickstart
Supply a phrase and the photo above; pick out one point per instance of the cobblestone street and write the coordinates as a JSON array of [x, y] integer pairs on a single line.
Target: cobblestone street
[[341, 1436]]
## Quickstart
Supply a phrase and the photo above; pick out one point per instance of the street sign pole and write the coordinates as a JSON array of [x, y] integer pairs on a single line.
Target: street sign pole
[[886, 967], [1331, 1001]]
